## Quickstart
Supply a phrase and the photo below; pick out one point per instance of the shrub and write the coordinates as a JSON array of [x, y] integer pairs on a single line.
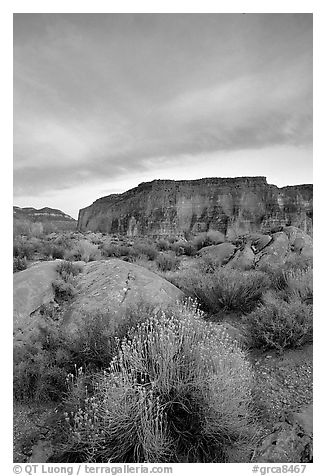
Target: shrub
[[167, 262], [115, 250], [144, 249], [277, 324], [67, 269], [276, 276], [84, 251], [300, 284], [57, 252], [163, 245], [95, 344], [212, 237], [42, 364], [63, 240], [189, 249], [21, 227], [23, 249], [207, 263], [37, 375], [183, 248], [199, 241], [19, 264], [225, 288], [63, 290], [37, 229], [295, 261], [179, 391]]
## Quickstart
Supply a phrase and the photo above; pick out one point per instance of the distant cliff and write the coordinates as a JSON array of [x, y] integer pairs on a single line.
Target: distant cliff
[[50, 218], [231, 205]]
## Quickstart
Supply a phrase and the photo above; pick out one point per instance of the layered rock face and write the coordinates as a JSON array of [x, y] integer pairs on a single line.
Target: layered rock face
[[49, 217], [230, 205]]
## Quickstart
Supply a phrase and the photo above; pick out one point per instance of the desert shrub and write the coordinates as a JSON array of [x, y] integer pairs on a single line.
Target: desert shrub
[[163, 245], [179, 391], [19, 264], [298, 262], [95, 344], [183, 248], [225, 288], [63, 240], [35, 243], [65, 286], [189, 249], [23, 249], [178, 247], [50, 310], [63, 290], [144, 249], [84, 251], [115, 250], [57, 252], [95, 238], [37, 229], [277, 324], [38, 380], [21, 227], [42, 364], [207, 263], [199, 241], [294, 277], [276, 275], [300, 284], [167, 262], [67, 269], [37, 375]]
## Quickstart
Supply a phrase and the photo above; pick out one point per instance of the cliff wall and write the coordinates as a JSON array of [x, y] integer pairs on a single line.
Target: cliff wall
[[230, 205]]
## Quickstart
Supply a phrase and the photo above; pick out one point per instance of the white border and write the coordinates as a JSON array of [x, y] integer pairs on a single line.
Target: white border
[[167, 6]]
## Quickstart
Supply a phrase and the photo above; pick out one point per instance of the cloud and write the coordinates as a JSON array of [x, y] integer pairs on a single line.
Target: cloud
[[104, 97]]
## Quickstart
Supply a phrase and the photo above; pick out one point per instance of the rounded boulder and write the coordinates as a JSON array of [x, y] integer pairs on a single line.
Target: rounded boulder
[[114, 285], [220, 254]]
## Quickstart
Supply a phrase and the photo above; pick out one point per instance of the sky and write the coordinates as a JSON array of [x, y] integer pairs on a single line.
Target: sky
[[103, 102]]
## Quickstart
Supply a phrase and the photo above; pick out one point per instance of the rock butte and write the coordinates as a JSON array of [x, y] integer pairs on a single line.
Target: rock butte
[[230, 205]]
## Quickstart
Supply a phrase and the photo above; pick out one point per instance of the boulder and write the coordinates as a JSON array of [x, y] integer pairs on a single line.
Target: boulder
[[290, 440], [220, 254], [275, 252], [32, 288], [300, 242], [286, 444], [113, 285], [261, 243], [304, 419], [215, 237], [243, 259], [293, 232]]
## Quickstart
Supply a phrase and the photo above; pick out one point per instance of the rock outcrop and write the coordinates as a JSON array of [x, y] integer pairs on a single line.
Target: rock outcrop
[[258, 251], [50, 218], [232, 206], [32, 288], [111, 286], [290, 440], [220, 254]]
